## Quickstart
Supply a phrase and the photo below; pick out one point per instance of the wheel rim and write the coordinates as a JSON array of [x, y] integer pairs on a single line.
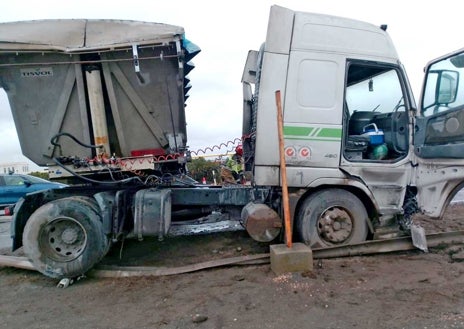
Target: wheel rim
[[335, 225], [63, 239]]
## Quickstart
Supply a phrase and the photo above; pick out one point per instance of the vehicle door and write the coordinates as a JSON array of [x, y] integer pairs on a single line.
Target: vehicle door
[[13, 187], [439, 134], [377, 135], [3, 192]]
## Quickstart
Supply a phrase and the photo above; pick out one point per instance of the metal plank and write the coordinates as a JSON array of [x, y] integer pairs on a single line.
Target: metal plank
[[365, 248], [17, 262], [387, 245]]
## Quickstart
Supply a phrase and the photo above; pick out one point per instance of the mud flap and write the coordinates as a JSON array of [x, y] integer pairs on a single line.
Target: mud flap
[[419, 239]]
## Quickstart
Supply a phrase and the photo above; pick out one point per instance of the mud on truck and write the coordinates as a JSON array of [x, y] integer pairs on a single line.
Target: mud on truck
[[102, 104]]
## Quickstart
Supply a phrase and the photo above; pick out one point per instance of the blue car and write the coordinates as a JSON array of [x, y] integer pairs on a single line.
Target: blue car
[[15, 186]]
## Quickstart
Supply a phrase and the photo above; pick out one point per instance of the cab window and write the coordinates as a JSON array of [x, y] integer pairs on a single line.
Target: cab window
[[376, 116]]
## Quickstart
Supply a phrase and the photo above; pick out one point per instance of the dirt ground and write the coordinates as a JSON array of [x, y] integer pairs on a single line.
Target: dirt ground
[[397, 290]]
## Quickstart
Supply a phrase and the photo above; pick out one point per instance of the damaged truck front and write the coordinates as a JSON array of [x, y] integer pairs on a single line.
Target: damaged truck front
[[102, 104]]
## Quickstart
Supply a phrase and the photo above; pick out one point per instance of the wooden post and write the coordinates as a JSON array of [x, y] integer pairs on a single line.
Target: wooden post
[[283, 171]]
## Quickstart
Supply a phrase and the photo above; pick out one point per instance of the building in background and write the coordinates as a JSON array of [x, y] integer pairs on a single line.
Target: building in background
[[14, 168]]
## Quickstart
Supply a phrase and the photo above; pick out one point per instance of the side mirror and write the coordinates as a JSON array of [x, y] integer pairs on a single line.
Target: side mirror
[[447, 86], [27, 183], [441, 89]]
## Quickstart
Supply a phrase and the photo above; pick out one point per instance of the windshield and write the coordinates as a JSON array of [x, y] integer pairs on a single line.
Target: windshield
[[443, 89]]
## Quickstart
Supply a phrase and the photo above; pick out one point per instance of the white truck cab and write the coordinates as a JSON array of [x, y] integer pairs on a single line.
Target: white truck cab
[[350, 119]]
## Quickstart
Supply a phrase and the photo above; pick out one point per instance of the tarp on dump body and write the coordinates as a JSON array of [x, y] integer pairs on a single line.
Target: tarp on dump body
[[142, 66], [78, 35]]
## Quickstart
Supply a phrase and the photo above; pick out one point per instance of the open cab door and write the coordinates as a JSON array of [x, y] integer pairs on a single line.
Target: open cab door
[[439, 134]]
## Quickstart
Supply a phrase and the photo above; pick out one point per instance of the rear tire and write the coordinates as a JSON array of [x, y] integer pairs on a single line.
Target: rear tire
[[332, 217], [64, 238]]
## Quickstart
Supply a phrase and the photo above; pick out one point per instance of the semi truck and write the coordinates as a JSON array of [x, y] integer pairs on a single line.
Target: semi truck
[[102, 104]]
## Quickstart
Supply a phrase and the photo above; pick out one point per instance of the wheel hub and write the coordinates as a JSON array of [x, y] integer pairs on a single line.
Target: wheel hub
[[69, 236], [63, 239], [335, 225]]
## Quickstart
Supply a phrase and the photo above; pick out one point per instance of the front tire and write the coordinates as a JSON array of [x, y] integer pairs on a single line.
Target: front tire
[[64, 238], [332, 217]]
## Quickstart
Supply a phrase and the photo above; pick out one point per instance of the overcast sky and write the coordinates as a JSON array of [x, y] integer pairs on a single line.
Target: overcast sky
[[225, 31]]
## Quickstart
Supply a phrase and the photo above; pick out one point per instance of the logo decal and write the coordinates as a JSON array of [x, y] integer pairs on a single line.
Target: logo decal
[[290, 151], [37, 72], [305, 152]]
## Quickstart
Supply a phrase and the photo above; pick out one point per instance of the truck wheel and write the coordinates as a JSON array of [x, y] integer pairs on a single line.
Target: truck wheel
[[64, 238], [332, 217], [93, 203]]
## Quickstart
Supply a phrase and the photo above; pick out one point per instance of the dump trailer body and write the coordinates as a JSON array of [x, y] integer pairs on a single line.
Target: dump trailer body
[[120, 84]]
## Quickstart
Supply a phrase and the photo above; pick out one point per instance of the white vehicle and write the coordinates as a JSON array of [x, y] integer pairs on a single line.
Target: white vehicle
[[93, 103]]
